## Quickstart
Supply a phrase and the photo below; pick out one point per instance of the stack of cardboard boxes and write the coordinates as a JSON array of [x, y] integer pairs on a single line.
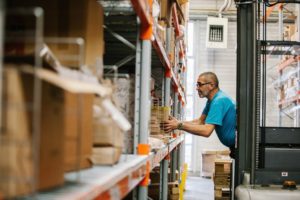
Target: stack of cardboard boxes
[[154, 187], [159, 114], [208, 160], [222, 178], [108, 138]]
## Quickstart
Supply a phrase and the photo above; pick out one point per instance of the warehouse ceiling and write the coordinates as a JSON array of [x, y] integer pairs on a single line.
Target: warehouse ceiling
[[203, 8], [200, 8]]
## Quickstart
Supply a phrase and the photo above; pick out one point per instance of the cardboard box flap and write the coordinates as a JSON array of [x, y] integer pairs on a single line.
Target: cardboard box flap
[[49, 57], [68, 84], [116, 115], [83, 74]]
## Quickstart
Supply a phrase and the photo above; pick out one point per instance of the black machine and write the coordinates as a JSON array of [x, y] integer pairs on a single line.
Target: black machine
[[270, 154], [279, 155]]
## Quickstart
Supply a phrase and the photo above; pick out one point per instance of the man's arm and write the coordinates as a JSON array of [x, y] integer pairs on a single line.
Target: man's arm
[[200, 120], [204, 130]]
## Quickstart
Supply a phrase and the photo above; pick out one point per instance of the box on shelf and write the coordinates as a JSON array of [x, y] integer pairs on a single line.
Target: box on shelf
[[182, 1], [124, 98], [17, 163], [78, 130], [155, 175], [161, 31], [172, 52], [208, 161], [165, 10], [71, 19], [223, 166], [65, 124], [159, 114], [173, 190], [281, 94], [222, 180], [106, 155], [222, 192], [222, 177], [289, 31], [106, 133]]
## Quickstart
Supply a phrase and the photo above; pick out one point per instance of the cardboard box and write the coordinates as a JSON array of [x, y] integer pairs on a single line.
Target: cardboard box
[[124, 98], [72, 19], [182, 1], [223, 166], [78, 130], [289, 31], [153, 190], [16, 153], [208, 160], [77, 18], [106, 133], [65, 125], [165, 10], [106, 155], [185, 9]]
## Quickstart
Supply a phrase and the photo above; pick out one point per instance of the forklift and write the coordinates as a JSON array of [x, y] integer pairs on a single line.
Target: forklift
[[267, 164]]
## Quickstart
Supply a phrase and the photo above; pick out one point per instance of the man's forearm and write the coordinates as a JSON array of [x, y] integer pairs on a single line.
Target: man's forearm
[[204, 130], [194, 121]]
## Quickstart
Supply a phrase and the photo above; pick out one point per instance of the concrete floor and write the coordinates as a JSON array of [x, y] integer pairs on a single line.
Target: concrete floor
[[198, 188]]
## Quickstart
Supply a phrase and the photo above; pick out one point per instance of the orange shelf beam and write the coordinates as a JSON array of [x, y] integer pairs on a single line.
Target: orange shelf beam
[[290, 100], [165, 151], [287, 63], [158, 156], [177, 29], [161, 52], [270, 10], [143, 10], [175, 20]]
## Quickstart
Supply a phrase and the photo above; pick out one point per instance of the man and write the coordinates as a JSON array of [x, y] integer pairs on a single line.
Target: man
[[219, 113]]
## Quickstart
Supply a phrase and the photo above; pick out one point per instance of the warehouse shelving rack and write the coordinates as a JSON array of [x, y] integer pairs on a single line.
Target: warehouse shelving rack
[[115, 182], [2, 11], [288, 103]]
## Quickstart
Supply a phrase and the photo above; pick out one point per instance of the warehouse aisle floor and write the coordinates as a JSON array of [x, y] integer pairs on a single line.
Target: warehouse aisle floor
[[198, 188]]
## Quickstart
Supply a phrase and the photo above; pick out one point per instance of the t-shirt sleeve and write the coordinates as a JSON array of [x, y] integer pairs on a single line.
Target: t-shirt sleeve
[[216, 113], [205, 110]]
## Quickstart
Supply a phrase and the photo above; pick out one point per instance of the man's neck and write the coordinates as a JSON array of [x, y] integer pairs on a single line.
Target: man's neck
[[213, 93]]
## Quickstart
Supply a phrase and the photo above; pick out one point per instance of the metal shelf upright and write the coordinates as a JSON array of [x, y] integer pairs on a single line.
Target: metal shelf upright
[[2, 10], [170, 81]]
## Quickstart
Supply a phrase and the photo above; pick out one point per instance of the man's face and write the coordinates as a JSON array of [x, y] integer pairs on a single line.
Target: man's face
[[203, 87]]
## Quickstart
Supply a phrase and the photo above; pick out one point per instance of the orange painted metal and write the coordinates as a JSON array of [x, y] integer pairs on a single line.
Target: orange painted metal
[[104, 196], [160, 50], [143, 9], [144, 149], [175, 19], [287, 62], [270, 10]]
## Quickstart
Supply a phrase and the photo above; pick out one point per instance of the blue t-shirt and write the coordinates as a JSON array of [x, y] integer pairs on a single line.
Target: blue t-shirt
[[220, 111]]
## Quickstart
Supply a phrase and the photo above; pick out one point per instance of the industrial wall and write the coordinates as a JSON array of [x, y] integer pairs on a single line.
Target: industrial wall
[[223, 63]]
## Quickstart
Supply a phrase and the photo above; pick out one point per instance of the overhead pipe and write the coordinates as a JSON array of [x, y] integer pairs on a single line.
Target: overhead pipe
[[223, 7], [228, 5]]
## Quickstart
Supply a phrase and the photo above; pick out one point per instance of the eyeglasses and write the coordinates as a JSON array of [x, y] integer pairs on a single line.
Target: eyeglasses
[[199, 84]]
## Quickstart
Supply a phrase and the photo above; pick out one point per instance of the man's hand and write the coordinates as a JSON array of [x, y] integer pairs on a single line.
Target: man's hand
[[170, 124]]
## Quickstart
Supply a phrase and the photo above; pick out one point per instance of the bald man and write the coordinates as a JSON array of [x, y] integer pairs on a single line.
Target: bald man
[[219, 113]]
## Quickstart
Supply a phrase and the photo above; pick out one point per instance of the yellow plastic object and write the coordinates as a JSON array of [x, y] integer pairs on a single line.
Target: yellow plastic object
[[183, 181]]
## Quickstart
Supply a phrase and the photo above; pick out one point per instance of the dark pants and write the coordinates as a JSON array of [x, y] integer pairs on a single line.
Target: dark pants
[[232, 152]]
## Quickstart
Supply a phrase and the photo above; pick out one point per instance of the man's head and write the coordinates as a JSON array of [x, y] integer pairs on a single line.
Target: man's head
[[206, 83]]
